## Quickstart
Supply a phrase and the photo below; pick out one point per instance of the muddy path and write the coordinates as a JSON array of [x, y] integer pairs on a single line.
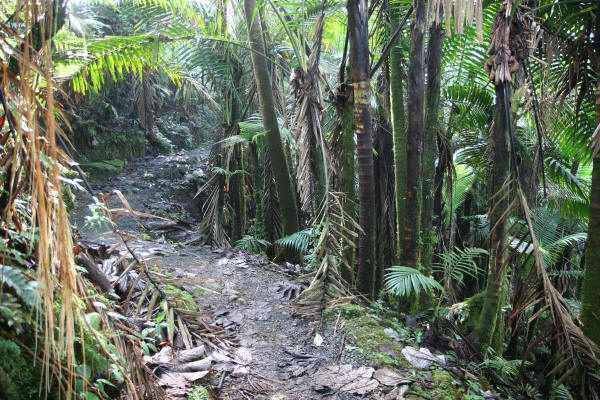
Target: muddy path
[[284, 356]]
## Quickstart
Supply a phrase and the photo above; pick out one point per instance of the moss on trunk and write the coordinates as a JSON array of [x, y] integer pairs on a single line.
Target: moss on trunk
[[283, 181], [345, 110], [590, 301], [398, 128], [432, 110], [359, 60], [414, 137], [493, 293]]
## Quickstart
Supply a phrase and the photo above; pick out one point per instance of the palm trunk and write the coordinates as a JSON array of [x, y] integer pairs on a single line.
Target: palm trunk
[[500, 168], [283, 182], [359, 60], [434, 69], [399, 129], [590, 301], [414, 135], [345, 110]]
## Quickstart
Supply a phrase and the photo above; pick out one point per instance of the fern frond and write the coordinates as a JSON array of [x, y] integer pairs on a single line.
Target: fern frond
[[298, 241], [404, 281], [459, 263], [252, 244]]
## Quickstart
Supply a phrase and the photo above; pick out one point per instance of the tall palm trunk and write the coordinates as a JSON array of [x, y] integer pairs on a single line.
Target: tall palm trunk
[[590, 302], [345, 110], [283, 181], [414, 136], [492, 294], [432, 111], [359, 61], [398, 128]]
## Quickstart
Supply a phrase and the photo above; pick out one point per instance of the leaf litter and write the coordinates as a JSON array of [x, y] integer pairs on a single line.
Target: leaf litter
[[245, 340]]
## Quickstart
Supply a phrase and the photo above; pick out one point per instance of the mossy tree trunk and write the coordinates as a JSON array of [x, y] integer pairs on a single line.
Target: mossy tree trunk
[[590, 300], [398, 128], [432, 111], [359, 61], [414, 137], [493, 293], [345, 110], [237, 181], [385, 247], [283, 181]]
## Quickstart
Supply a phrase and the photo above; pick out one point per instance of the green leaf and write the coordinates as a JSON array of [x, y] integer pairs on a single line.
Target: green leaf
[[404, 281], [23, 287]]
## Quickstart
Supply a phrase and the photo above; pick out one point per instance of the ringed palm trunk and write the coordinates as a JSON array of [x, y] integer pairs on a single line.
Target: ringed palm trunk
[[359, 61], [434, 69], [493, 292], [590, 301], [414, 135], [398, 128], [345, 110], [283, 181]]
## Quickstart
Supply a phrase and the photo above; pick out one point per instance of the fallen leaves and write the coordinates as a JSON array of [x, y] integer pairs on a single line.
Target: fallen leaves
[[178, 374], [345, 379]]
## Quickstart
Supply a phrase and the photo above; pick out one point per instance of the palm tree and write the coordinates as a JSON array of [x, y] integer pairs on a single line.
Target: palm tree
[[359, 61], [279, 167]]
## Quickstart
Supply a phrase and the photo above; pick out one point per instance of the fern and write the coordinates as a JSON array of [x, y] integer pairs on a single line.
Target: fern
[[15, 279], [252, 244], [404, 281], [459, 263], [298, 241]]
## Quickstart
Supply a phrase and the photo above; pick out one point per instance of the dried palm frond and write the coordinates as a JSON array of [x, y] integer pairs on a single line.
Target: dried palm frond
[[143, 97], [308, 120], [327, 287], [26, 78], [211, 224], [272, 213], [574, 349], [463, 12]]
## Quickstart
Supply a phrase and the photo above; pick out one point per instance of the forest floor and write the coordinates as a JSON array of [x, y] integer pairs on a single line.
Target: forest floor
[[285, 356]]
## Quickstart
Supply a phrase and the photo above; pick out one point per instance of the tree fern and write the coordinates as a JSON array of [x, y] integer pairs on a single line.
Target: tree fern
[[298, 241], [404, 281], [15, 279]]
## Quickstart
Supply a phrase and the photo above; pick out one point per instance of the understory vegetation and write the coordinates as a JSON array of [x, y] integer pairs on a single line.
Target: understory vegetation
[[428, 170]]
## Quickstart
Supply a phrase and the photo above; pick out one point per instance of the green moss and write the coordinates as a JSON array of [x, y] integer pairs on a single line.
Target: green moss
[[347, 312], [180, 297], [442, 387], [199, 393], [368, 335], [103, 169]]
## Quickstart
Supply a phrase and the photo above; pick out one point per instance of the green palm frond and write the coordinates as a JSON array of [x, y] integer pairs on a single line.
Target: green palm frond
[[298, 241], [23, 287], [405, 281]]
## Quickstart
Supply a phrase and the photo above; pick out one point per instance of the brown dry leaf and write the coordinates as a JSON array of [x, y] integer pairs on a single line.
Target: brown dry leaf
[[388, 377], [343, 378], [180, 379]]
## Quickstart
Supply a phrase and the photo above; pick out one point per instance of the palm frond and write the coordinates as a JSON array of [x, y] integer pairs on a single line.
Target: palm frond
[[405, 281]]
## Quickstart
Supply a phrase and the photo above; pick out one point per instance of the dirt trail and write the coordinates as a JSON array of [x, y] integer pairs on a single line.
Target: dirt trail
[[283, 354]]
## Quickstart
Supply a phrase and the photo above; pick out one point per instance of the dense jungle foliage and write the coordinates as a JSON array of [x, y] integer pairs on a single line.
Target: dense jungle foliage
[[432, 165]]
